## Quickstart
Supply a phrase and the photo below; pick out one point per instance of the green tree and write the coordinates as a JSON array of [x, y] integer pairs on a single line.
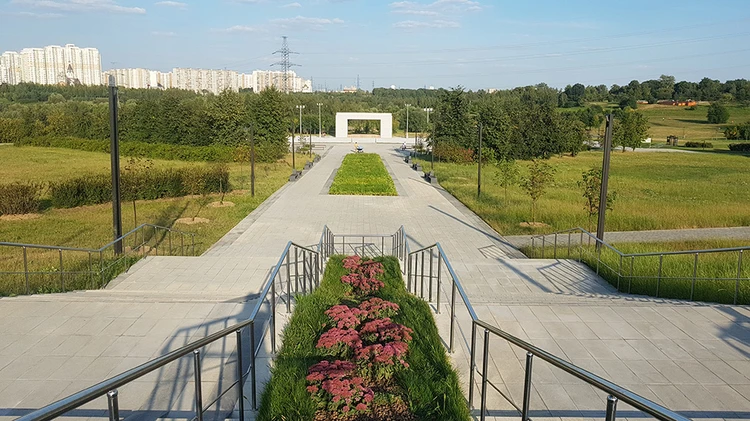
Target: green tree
[[452, 123], [717, 114], [535, 183], [507, 174], [269, 115], [630, 129], [136, 170], [591, 184]]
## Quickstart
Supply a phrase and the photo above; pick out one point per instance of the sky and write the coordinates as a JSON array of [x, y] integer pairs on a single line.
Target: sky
[[410, 44]]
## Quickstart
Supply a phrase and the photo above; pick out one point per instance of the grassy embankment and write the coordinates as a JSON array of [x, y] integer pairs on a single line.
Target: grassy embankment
[[363, 174], [677, 270], [91, 226], [654, 191], [431, 384]]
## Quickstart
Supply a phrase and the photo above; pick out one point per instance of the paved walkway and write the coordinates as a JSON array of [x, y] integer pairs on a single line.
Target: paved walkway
[[654, 236], [51, 344]]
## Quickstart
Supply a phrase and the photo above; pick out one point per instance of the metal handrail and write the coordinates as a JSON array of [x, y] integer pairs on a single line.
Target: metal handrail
[[109, 387], [622, 275], [614, 391]]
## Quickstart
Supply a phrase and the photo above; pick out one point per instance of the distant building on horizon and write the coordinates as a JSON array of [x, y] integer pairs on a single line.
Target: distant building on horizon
[[52, 65]]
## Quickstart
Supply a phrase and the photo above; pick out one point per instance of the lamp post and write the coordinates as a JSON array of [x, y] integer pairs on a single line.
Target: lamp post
[[300, 108], [432, 145], [605, 181], [320, 122], [407, 123], [479, 169], [115, 163]]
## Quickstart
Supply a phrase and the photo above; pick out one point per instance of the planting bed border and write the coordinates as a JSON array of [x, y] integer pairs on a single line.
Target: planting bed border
[[431, 386]]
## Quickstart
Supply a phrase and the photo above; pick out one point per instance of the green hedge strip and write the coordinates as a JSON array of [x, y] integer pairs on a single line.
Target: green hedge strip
[[431, 384]]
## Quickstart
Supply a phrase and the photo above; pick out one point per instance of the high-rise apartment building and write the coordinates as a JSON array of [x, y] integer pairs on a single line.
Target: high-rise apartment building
[[52, 65], [139, 78]]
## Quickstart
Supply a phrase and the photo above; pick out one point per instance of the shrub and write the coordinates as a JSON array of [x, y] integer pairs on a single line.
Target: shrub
[[143, 185], [738, 132], [19, 198], [699, 145], [739, 147], [453, 153], [717, 114]]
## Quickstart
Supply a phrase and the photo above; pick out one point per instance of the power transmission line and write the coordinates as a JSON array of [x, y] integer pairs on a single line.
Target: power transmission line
[[285, 63]]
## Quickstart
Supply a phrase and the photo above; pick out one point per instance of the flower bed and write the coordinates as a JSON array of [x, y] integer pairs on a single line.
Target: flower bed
[[362, 348]]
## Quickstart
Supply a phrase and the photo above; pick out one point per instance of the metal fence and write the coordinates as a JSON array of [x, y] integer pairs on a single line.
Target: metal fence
[[708, 275], [31, 268], [428, 272], [296, 272], [364, 245]]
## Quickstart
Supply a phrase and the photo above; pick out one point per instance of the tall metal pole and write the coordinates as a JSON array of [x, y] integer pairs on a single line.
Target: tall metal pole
[[320, 123], [310, 134], [479, 170], [407, 124], [294, 167], [252, 161], [114, 134], [605, 181]]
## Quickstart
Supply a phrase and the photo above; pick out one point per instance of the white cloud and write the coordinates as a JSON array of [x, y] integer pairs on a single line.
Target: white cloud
[[242, 28], [294, 5], [81, 6], [163, 34], [306, 22], [177, 4], [441, 6], [429, 13], [33, 15], [438, 23]]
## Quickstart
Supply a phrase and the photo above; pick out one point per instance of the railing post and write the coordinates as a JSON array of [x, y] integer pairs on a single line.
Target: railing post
[[658, 279], [91, 271], [598, 255], [304, 271], [695, 275], [439, 263], [430, 279], [533, 249], [408, 273], [192, 236], [569, 234], [485, 363], [555, 247], [453, 316], [240, 376], [421, 275], [619, 273], [611, 408], [26, 269], [543, 244], [472, 362], [527, 387], [318, 267], [252, 367], [101, 268], [382, 246], [630, 280], [288, 284], [62, 275], [296, 269], [739, 275], [169, 234], [113, 404], [580, 248], [273, 314], [198, 388], [182, 244]]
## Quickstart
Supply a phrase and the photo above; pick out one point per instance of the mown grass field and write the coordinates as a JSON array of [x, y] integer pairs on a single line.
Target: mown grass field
[[363, 174], [716, 274], [91, 226], [431, 386], [655, 190]]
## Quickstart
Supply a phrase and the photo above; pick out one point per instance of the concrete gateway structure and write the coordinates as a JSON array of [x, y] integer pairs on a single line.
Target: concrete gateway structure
[[386, 123]]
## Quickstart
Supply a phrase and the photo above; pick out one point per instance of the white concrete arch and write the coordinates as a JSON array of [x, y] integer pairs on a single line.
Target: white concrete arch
[[386, 123]]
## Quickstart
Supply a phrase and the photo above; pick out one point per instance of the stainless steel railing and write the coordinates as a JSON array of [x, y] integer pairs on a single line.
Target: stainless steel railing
[[296, 269], [425, 276], [363, 245], [42, 268], [650, 270]]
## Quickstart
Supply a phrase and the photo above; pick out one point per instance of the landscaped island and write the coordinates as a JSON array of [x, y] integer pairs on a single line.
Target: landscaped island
[[363, 174], [362, 348]]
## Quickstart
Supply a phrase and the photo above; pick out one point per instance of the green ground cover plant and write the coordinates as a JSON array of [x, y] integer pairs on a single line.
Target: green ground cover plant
[[428, 386], [677, 270], [654, 191], [363, 174]]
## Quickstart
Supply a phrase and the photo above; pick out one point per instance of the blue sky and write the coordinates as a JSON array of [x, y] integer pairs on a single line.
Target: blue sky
[[441, 43]]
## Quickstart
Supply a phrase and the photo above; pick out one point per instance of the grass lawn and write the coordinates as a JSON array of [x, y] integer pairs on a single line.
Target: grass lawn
[[363, 174], [654, 191], [677, 270], [91, 226], [432, 391]]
